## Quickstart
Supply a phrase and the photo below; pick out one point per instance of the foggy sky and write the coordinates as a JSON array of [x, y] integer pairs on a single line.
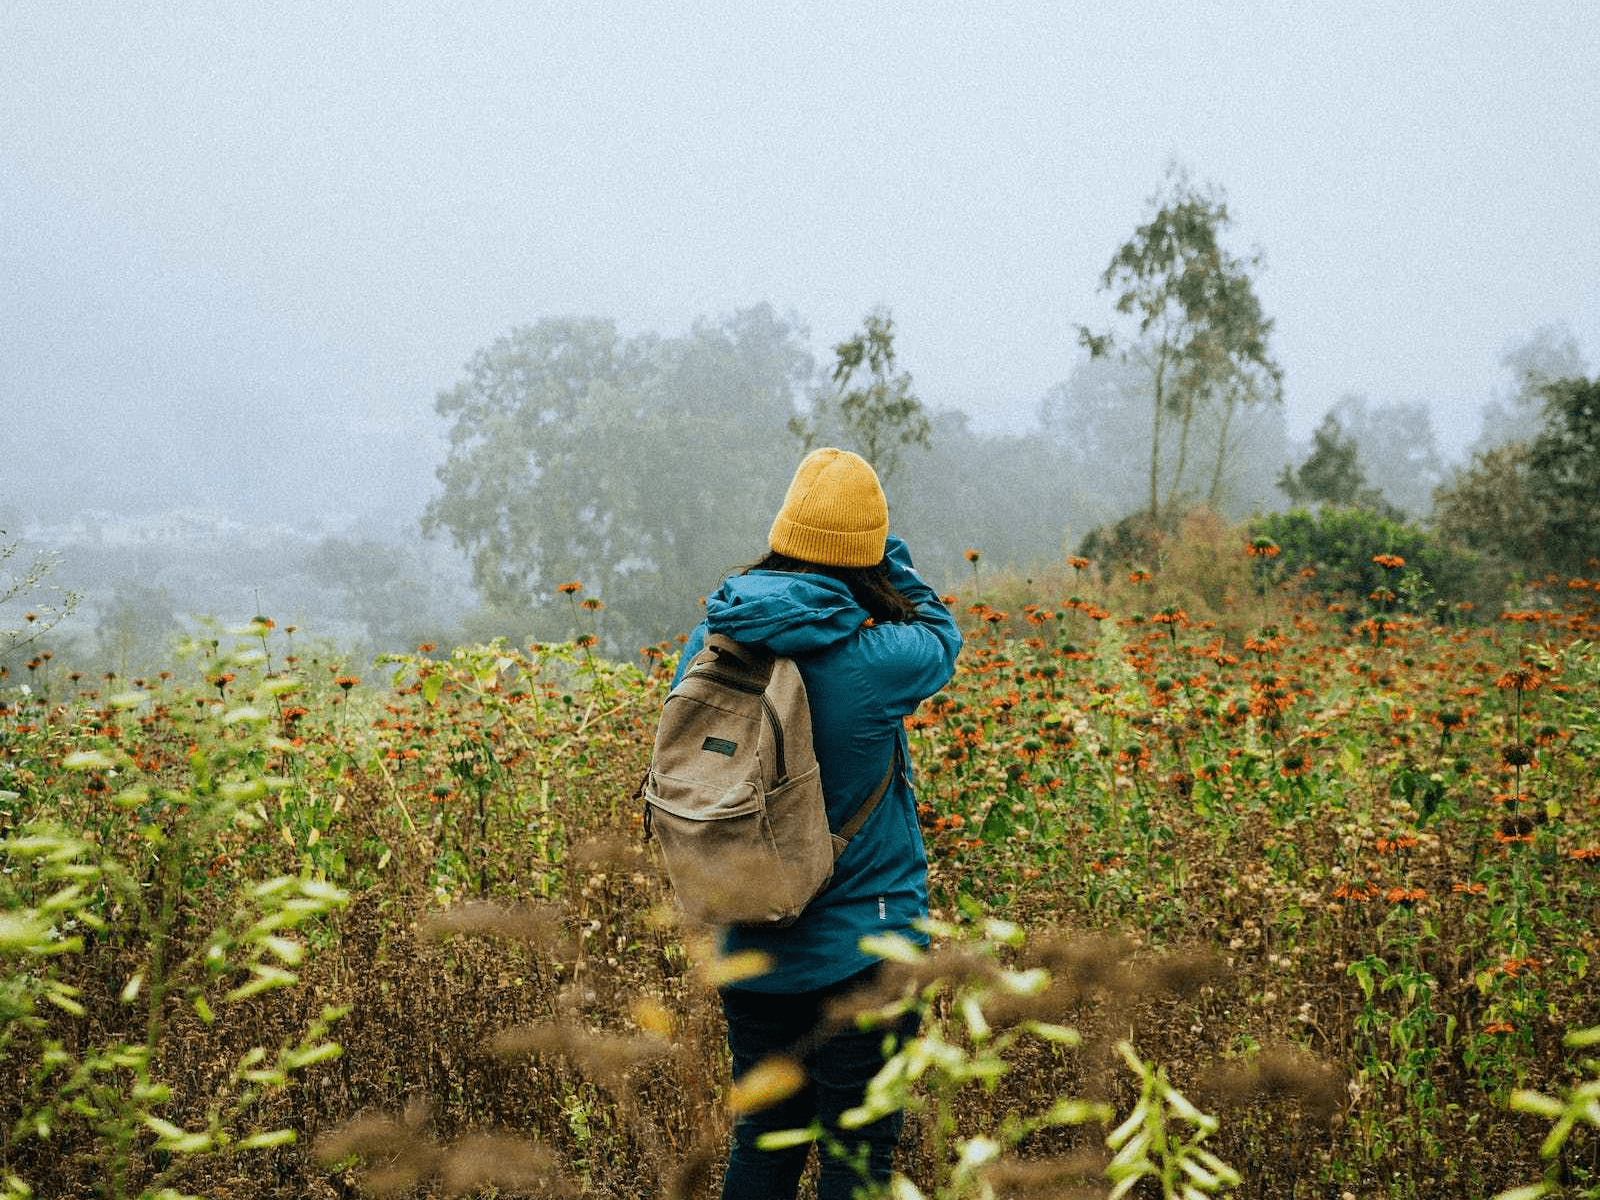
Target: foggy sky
[[242, 247]]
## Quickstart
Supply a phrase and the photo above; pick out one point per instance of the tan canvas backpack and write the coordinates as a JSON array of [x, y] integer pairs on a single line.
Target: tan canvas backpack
[[734, 795]]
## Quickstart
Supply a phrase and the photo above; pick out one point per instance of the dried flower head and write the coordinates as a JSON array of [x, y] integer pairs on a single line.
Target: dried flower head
[[603, 1058], [537, 925]]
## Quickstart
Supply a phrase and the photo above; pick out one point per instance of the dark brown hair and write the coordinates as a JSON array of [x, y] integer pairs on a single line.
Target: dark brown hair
[[870, 586]]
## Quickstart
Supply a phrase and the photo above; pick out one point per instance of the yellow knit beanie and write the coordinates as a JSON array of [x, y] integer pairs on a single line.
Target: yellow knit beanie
[[834, 514]]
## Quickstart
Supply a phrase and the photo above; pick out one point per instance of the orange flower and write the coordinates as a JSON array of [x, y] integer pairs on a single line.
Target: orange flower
[[1389, 561], [1523, 678], [346, 682], [1355, 891], [1513, 967], [971, 556], [1403, 842], [567, 589]]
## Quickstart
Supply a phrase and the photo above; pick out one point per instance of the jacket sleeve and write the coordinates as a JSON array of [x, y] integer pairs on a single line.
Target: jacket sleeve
[[911, 661]]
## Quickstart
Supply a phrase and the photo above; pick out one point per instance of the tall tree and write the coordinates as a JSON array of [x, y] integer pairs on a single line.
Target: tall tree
[[1395, 448], [1533, 503], [1247, 428], [1487, 507], [1517, 414], [1201, 336], [876, 409], [1564, 474], [638, 466], [1332, 474]]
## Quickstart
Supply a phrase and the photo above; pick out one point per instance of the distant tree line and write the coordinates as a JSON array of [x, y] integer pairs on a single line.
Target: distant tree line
[[647, 467]]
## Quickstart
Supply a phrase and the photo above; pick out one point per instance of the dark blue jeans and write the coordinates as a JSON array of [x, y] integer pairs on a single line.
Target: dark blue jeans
[[838, 1061]]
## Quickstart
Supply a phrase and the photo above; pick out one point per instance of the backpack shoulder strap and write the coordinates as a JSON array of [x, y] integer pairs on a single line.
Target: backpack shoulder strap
[[752, 665], [859, 818]]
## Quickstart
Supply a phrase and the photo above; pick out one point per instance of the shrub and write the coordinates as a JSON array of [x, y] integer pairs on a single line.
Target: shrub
[[1343, 545]]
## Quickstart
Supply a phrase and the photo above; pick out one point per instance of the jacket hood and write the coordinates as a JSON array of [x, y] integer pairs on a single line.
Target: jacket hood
[[786, 612]]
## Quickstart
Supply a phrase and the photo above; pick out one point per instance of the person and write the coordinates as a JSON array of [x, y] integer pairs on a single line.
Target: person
[[839, 595]]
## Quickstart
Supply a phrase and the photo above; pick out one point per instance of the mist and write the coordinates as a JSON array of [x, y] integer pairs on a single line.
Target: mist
[[247, 253]]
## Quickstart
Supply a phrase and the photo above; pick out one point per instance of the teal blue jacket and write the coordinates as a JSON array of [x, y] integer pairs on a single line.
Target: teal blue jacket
[[861, 682]]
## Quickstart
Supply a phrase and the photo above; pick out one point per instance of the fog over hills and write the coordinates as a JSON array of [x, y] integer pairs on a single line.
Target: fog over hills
[[244, 250]]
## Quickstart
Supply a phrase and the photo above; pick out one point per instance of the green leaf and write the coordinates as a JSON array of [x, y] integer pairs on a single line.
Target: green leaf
[[65, 1004], [1524, 1100], [784, 1139], [132, 797], [242, 791], [997, 822], [1531, 1191], [289, 952], [23, 932], [263, 1141], [1007, 932], [266, 979], [317, 889], [272, 887], [432, 684], [1062, 1034], [294, 1060], [1068, 1111], [892, 947], [163, 1129], [88, 760]]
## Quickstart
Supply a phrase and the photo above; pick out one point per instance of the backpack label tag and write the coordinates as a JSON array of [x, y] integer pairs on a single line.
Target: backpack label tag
[[719, 746]]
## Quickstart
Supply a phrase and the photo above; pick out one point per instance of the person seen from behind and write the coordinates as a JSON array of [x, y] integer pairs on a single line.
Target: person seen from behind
[[839, 595]]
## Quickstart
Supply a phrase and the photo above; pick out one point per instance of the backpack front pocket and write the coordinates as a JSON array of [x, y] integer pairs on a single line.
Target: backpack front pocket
[[722, 854]]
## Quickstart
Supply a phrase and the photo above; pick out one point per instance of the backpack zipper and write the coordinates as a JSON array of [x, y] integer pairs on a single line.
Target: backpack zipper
[[777, 737]]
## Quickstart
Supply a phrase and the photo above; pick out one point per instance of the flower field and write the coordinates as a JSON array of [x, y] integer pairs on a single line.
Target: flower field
[[277, 926]]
